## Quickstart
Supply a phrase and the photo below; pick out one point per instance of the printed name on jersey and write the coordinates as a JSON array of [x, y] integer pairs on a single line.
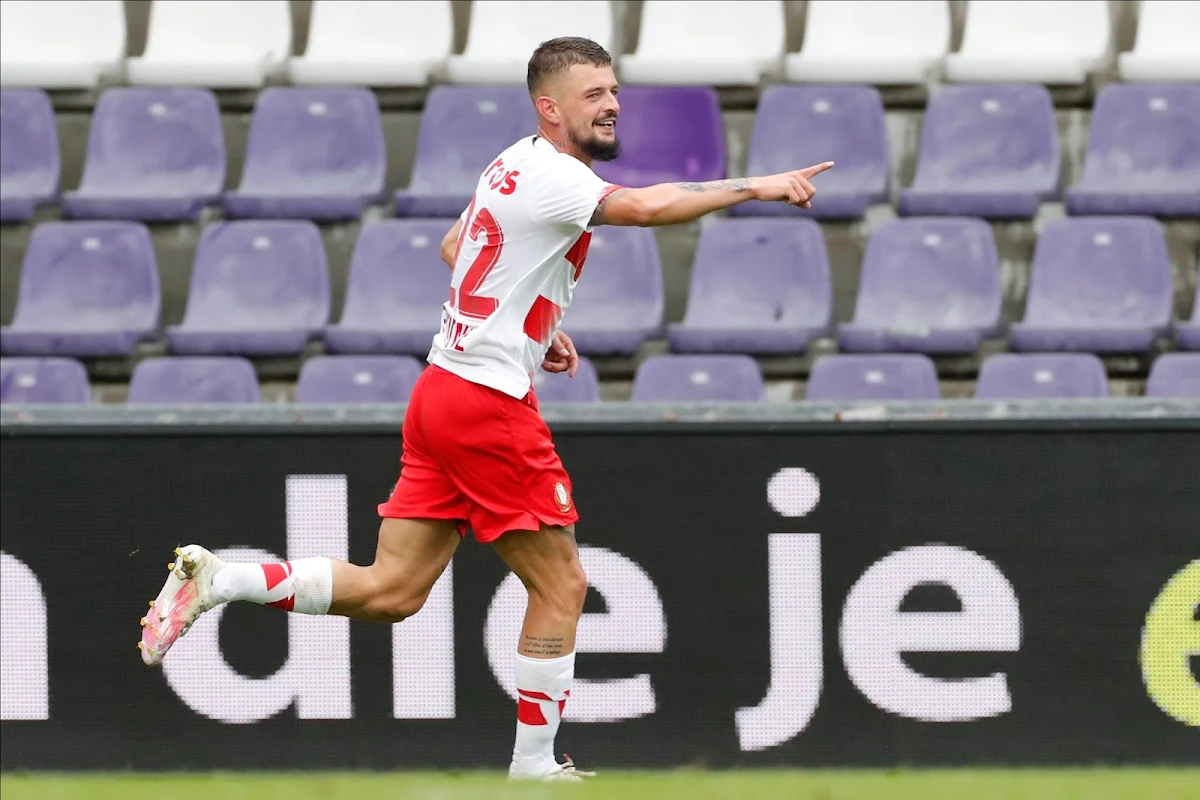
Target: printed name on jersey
[[498, 177]]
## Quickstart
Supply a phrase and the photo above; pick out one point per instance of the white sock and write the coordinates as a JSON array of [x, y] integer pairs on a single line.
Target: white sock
[[304, 585], [543, 684]]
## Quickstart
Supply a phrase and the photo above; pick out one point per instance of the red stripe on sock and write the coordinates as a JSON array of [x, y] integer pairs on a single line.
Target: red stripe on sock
[[287, 604], [530, 713], [561, 705], [534, 695], [276, 573]]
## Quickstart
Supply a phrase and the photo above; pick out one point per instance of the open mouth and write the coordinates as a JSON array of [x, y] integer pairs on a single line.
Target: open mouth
[[607, 125]]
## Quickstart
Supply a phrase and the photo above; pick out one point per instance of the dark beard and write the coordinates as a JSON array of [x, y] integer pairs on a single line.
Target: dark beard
[[598, 149]]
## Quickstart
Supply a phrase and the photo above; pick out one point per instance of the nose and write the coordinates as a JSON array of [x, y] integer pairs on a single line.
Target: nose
[[611, 106]]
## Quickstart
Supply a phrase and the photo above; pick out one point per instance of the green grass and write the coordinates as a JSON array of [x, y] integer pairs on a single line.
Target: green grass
[[972, 784]]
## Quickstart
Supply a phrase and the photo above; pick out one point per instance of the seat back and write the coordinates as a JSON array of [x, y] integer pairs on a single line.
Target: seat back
[[753, 29], [1144, 136], [357, 379], [697, 379], [193, 380], [667, 134], [916, 28], [205, 32], [903, 376], [1031, 376], [512, 29], [43, 380], [382, 30], [559, 387], [1013, 29]]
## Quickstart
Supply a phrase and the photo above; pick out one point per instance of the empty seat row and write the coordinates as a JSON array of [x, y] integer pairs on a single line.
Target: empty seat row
[[986, 151], [758, 286], [676, 378], [60, 43]]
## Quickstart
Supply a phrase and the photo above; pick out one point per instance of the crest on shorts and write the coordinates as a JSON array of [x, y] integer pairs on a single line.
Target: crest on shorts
[[562, 497]]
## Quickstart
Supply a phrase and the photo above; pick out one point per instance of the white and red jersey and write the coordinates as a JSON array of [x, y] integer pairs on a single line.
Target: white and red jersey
[[524, 239]]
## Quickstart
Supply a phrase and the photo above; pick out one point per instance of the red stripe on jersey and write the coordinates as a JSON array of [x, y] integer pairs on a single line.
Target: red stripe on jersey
[[541, 320], [578, 253], [276, 573], [530, 713]]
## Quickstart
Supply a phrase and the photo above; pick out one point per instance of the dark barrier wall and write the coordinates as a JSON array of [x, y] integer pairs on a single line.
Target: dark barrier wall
[[762, 595]]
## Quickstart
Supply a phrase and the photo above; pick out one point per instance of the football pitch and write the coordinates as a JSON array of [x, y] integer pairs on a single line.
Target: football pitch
[[967, 784]]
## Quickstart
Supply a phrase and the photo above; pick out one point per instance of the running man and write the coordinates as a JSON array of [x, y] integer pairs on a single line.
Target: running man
[[476, 453]]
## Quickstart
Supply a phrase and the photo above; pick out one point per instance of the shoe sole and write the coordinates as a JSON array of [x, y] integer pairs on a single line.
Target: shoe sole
[[173, 611]]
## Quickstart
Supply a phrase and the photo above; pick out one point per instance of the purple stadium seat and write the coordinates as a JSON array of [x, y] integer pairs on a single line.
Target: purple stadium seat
[[698, 379], [29, 160], [395, 290], [1101, 285], [153, 155], [903, 376], [1143, 154], [668, 133], [174, 381], [928, 285], [758, 286], [1033, 376], [258, 289], [1188, 333], [463, 129], [986, 151], [43, 380], [558, 387], [312, 154], [87, 289], [618, 303], [1174, 375], [357, 379], [797, 126]]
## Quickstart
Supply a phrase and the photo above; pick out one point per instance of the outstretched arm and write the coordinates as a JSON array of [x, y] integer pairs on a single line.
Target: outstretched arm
[[672, 203]]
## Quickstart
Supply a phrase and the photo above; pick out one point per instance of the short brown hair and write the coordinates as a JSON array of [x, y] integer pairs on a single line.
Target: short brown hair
[[557, 55]]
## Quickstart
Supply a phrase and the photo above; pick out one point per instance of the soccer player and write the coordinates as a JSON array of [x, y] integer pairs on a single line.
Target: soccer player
[[476, 453]]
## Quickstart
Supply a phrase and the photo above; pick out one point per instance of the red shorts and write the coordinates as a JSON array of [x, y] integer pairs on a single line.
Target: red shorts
[[476, 455]]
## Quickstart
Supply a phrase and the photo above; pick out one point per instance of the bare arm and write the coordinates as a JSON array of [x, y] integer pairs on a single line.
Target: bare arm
[[672, 203], [450, 244]]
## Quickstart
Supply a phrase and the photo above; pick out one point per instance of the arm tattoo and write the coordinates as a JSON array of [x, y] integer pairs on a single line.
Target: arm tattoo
[[541, 646], [729, 184], [598, 216]]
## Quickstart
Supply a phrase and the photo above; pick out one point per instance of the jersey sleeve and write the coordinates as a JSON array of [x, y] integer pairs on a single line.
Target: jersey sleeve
[[567, 195]]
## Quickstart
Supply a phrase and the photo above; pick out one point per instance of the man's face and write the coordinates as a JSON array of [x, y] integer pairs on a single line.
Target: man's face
[[589, 108]]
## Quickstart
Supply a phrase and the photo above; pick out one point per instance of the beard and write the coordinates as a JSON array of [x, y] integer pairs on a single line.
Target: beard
[[596, 148]]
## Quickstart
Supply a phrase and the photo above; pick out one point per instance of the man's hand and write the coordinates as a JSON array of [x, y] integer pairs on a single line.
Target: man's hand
[[561, 357], [789, 187]]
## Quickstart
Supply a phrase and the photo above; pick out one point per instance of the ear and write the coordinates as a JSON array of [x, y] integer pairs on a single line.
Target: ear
[[547, 107]]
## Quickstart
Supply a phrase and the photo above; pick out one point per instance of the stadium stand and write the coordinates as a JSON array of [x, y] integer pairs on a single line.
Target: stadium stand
[[43, 380], [61, 44], [1175, 375], [226, 45], [182, 380], [928, 285], [740, 41], [155, 155], [882, 42], [1165, 49], [357, 379], [758, 286], [462, 129], [811, 124], [313, 154], [503, 33], [194, 219], [1143, 152], [1028, 376], [1101, 285], [395, 289], [87, 289], [698, 378], [259, 288], [561, 388], [986, 151], [1051, 41], [374, 43], [895, 376], [30, 164], [620, 304]]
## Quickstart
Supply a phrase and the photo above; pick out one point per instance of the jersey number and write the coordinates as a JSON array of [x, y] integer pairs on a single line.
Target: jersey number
[[465, 299]]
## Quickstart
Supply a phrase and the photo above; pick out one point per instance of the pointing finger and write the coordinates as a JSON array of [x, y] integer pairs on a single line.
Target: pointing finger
[[809, 172]]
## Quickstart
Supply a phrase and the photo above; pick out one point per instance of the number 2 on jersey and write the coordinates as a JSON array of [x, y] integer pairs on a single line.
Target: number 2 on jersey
[[465, 299]]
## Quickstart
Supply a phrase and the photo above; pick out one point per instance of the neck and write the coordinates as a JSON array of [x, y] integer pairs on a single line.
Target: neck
[[562, 144]]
